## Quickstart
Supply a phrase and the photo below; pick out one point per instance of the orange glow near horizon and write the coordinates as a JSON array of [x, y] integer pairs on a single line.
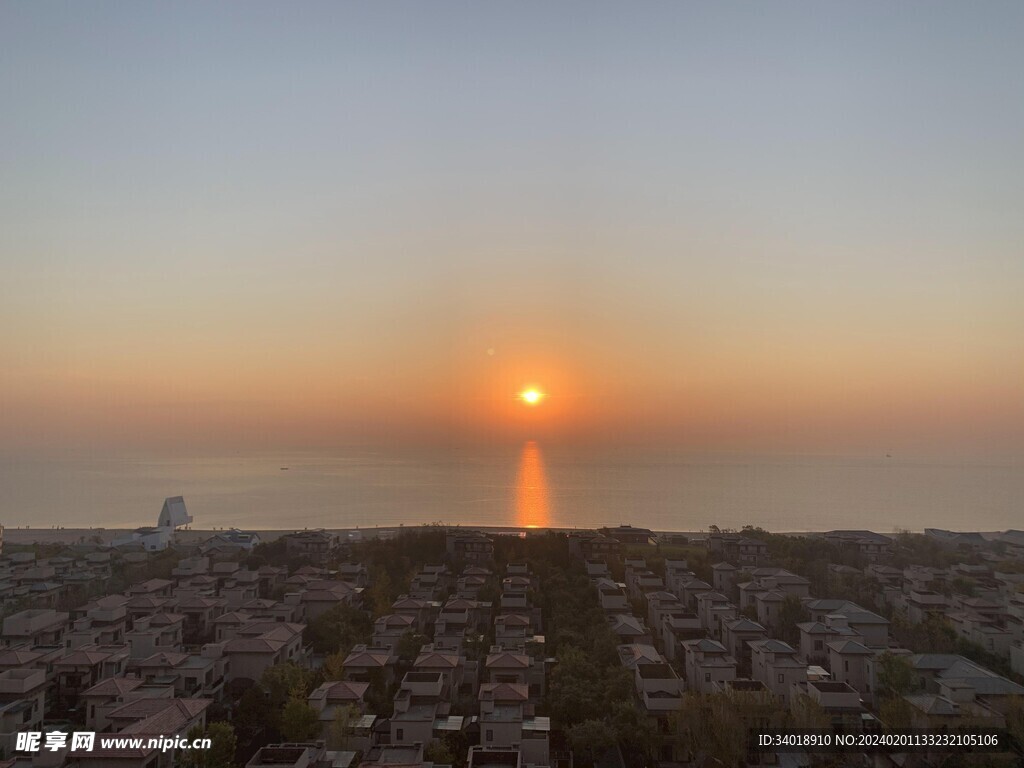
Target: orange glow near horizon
[[532, 505]]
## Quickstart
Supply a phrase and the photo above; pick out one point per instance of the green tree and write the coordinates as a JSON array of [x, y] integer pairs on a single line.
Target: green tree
[[1015, 720], [439, 752], [709, 726], [221, 753], [299, 721], [338, 629], [895, 675], [895, 712], [590, 739], [261, 706], [409, 645], [338, 732], [334, 667]]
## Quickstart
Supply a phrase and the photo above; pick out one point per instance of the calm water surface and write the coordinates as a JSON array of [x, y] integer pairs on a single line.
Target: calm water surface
[[527, 484]]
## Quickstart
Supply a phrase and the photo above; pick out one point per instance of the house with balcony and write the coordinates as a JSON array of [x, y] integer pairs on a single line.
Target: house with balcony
[[589, 545], [469, 585], [364, 664], [921, 604], [691, 590], [469, 546], [737, 549], [838, 701], [107, 615], [259, 646], [421, 709], [321, 595], [630, 629], [423, 611], [723, 577], [513, 630], [331, 696], [738, 634], [659, 605], [505, 666], [874, 629], [507, 722], [658, 688], [715, 610], [816, 635], [775, 664], [82, 668], [388, 630], [848, 663], [869, 545], [226, 626], [676, 628], [449, 664], [22, 704], [200, 614], [642, 582], [768, 605], [612, 596], [318, 547], [160, 632], [35, 626], [113, 693], [708, 664], [953, 675]]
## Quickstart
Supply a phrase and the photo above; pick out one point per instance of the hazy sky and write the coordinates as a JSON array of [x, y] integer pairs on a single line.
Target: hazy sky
[[792, 226]]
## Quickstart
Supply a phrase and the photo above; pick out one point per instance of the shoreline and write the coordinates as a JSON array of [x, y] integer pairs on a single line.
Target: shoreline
[[22, 536]]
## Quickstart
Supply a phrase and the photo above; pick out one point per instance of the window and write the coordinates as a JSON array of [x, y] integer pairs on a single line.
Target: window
[[489, 737], [846, 665], [399, 734], [818, 645], [707, 677], [782, 678]]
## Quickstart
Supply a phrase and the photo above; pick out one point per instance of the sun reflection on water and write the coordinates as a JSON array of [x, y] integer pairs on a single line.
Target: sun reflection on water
[[532, 505]]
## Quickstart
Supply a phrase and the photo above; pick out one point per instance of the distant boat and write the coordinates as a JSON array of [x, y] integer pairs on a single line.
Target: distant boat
[[888, 455], [284, 469]]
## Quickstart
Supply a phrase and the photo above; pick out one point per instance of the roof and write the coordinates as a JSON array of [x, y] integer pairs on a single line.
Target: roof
[[933, 705], [437, 659], [773, 646], [508, 659], [18, 657], [505, 691], [626, 624], [987, 686], [175, 715], [744, 625], [143, 708], [114, 686], [78, 658], [341, 690], [163, 659], [705, 645], [254, 645], [367, 658], [850, 646], [814, 628]]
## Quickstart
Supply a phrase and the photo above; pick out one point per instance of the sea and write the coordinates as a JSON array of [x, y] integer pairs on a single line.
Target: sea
[[527, 484]]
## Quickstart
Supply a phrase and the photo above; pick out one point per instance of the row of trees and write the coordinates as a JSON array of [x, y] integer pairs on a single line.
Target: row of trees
[[590, 695]]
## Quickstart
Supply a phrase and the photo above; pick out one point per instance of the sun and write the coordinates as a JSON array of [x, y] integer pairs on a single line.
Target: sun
[[531, 396]]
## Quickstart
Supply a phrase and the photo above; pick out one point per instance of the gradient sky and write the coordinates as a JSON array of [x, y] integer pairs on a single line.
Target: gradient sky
[[793, 226]]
